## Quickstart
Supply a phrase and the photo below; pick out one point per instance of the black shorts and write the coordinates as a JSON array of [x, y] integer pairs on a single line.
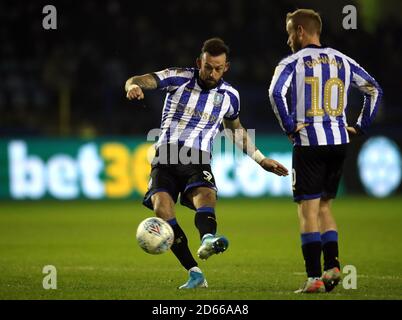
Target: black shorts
[[177, 179], [317, 171]]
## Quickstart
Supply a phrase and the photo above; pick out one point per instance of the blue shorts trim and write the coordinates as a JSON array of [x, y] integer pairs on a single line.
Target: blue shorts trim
[[147, 199], [307, 197], [199, 184]]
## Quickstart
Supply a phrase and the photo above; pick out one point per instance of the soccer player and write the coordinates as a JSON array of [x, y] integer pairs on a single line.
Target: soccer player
[[320, 78], [197, 102]]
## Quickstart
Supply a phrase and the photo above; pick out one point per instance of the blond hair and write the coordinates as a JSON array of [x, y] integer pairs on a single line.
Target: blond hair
[[309, 19]]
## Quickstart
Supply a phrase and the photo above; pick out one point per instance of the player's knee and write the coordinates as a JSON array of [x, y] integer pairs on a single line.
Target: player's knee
[[210, 196], [309, 209], [201, 194], [206, 197], [325, 207]]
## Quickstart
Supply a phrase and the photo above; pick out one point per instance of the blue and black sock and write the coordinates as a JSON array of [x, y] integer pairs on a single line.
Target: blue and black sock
[[330, 249], [205, 220], [180, 246], [311, 247]]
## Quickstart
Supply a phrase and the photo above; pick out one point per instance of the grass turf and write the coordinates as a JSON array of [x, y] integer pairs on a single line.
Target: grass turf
[[93, 247]]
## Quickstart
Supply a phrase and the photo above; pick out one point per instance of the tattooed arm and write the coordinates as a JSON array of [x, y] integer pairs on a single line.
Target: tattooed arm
[[238, 134], [136, 84], [241, 138]]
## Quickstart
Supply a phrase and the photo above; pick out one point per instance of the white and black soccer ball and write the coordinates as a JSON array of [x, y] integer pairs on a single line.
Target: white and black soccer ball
[[154, 235]]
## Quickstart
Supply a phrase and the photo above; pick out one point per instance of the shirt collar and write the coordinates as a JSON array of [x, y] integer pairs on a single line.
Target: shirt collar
[[314, 46]]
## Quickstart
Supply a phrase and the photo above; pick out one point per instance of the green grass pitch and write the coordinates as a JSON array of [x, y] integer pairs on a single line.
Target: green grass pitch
[[93, 247]]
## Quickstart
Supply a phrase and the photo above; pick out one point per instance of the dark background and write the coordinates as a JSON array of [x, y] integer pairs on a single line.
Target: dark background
[[70, 81]]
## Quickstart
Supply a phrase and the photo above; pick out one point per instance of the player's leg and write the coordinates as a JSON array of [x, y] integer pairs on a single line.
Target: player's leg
[[161, 197], [199, 194], [329, 236], [308, 211], [204, 201], [329, 231], [326, 219], [163, 205], [307, 188], [164, 208]]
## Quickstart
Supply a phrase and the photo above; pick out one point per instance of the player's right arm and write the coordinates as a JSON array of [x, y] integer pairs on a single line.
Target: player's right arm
[[136, 84], [277, 94], [169, 79]]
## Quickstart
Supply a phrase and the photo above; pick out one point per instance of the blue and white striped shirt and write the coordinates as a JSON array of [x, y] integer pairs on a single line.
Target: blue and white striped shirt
[[320, 79], [192, 115]]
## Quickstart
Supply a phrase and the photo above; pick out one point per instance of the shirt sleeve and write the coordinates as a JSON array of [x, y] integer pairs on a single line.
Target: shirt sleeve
[[172, 78], [234, 105], [372, 95], [277, 94]]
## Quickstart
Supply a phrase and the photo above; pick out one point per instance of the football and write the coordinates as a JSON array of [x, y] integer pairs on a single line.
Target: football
[[154, 235]]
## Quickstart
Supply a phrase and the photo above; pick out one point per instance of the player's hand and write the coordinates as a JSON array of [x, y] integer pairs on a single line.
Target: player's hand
[[274, 167], [301, 126], [298, 128], [134, 92], [352, 130]]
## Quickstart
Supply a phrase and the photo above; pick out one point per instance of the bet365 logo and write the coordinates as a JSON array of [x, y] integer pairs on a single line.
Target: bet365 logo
[[90, 170]]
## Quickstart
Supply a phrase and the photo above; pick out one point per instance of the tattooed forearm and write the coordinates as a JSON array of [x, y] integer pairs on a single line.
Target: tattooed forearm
[[240, 136], [244, 141], [146, 81]]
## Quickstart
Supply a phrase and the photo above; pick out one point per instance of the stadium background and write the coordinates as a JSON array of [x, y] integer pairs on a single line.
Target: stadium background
[[67, 132]]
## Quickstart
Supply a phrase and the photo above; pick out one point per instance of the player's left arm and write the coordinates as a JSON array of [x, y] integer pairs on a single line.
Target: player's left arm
[[372, 95], [241, 138]]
